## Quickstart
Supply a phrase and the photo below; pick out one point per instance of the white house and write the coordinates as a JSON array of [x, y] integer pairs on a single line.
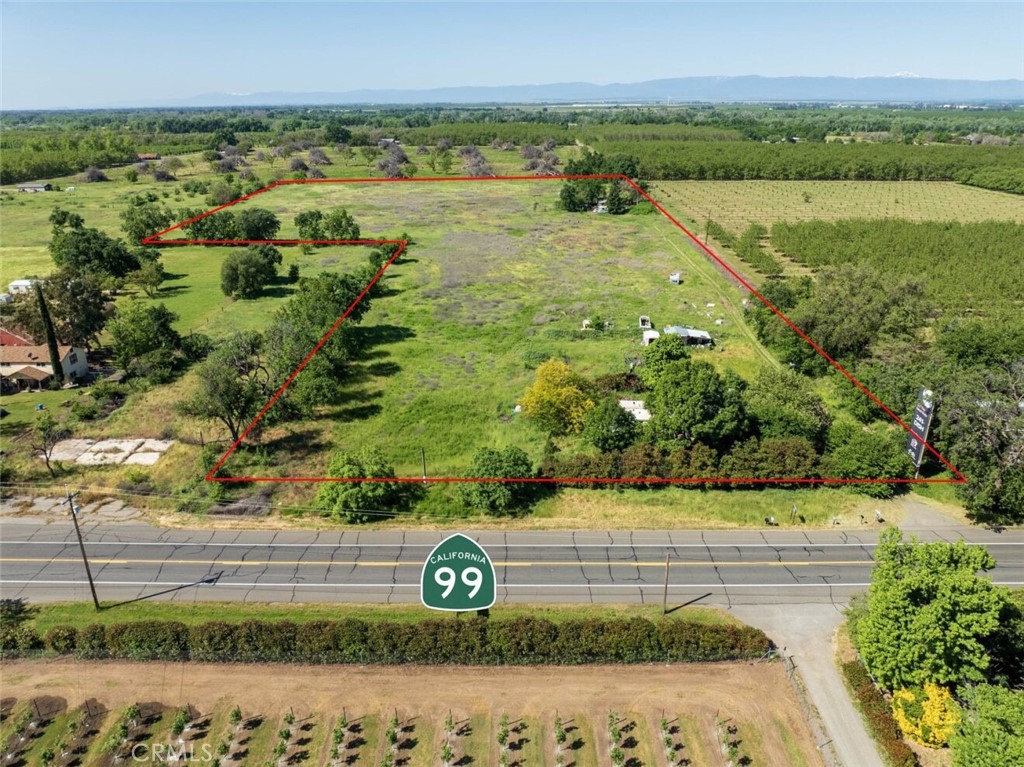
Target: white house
[[20, 287], [26, 367], [636, 408]]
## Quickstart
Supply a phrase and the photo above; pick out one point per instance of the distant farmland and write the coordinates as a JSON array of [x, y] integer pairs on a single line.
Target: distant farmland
[[736, 204]]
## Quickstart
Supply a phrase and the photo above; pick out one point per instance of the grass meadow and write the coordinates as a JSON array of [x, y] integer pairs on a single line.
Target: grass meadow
[[498, 280]]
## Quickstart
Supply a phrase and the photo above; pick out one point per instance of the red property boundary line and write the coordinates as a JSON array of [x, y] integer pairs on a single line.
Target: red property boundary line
[[155, 239]]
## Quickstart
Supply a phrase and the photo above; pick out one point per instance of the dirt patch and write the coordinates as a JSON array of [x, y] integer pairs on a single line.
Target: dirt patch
[[755, 694]]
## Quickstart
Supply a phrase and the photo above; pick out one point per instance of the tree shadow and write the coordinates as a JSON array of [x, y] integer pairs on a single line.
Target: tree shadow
[[370, 336], [172, 290], [383, 369], [297, 444], [277, 291]]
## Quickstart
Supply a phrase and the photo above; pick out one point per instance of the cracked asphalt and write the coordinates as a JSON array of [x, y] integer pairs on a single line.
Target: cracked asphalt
[[725, 568]]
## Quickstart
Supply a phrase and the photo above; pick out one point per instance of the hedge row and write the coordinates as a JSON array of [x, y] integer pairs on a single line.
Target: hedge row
[[464, 641], [879, 715]]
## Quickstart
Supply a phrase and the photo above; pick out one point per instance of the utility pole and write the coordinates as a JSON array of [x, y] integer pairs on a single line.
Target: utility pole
[[81, 544], [664, 596], [423, 460]]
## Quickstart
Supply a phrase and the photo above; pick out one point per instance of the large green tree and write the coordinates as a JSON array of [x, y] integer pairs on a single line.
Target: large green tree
[[233, 383], [609, 427], [982, 422], [244, 273], [144, 216], [88, 251], [51, 336], [991, 732], [928, 613], [355, 501], [659, 354], [143, 335], [858, 453], [339, 225], [298, 327], [498, 498], [691, 403], [76, 305], [256, 224], [783, 404]]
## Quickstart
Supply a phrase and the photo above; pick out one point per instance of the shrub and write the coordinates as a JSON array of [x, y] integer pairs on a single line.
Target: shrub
[[501, 497], [148, 640], [466, 641], [363, 501], [61, 639], [927, 715], [213, 641], [91, 643], [262, 641], [19, 640], [879, 717]]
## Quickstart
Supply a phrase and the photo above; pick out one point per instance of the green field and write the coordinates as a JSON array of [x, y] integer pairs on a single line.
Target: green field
[[499, 280]]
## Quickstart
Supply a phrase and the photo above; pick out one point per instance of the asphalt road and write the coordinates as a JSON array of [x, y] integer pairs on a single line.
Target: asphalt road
[[725, 568]]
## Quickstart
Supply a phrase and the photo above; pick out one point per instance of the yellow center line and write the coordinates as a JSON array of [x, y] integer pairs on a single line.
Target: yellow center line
[[353, 563]]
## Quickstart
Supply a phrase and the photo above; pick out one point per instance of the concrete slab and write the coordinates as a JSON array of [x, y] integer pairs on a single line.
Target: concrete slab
[[155, 446], [92, 458], [143, 459], [70, 449], [117, 446]]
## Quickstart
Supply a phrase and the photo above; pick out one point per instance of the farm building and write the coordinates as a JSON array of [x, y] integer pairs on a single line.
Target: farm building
[[6, 298], [384, 143], [144, 156], [35, 187], [636, 408], [28, 367], [692, 336], [21, 287]]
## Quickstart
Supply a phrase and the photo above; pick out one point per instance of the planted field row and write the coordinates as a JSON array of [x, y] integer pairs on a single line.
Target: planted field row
[[44, 731]]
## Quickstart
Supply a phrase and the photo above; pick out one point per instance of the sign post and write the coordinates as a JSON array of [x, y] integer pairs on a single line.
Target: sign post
[[458, 576], [919, 427]]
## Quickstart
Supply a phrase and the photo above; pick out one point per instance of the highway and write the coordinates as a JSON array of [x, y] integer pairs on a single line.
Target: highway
[[42, 562]]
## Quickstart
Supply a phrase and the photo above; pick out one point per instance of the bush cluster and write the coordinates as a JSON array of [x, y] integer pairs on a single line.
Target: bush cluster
[[878, 715], [474, 640]]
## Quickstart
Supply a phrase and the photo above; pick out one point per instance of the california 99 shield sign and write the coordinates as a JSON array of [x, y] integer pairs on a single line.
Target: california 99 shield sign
[[458, 576]]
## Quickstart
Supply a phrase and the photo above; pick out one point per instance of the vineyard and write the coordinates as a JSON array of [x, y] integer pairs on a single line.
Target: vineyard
[[727, 714]]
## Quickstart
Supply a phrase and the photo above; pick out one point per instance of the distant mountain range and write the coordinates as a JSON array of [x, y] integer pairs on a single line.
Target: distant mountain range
[[901, 88]]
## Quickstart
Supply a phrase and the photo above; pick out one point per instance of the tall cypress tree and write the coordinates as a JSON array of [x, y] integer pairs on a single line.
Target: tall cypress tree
[[51, 336]]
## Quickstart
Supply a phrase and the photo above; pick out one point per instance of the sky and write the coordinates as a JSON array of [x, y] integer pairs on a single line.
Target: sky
[[88, 54]]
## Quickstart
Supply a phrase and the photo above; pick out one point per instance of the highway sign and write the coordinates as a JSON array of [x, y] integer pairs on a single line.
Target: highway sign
[[458, 576]]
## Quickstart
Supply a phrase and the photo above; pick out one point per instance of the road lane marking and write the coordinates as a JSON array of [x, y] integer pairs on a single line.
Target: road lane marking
[[506, 586], [495, 545], [353, 563]]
